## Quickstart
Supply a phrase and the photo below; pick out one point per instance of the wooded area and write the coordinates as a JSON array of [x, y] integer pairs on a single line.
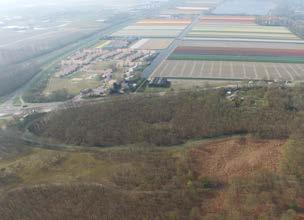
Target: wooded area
[[175, 118]]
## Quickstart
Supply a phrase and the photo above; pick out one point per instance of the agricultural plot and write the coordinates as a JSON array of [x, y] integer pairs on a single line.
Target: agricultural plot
[[72, 86], [155, 28], [225, 70], [152, 44], [228, 19], [235, 48], [240, 28], [239, 54], [78, 81], [237, 38]]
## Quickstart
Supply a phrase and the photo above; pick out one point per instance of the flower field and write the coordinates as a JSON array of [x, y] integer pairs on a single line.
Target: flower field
[[155, 28], [228, 19], [238, 38], [238, 27], [152, 44], [236, 48], [239, 54]]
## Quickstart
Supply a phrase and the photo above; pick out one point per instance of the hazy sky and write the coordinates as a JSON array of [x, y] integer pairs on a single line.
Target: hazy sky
[[14, 5], [40, 2]]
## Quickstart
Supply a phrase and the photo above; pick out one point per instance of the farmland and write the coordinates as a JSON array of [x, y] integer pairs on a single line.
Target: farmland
[[152, 44], [238, 27], [189, 69], [73, 85], [239, 54], [154, 28], [236, 48]]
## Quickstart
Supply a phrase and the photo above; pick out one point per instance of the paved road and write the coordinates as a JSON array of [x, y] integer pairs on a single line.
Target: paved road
[[163, 55], [6, 110]]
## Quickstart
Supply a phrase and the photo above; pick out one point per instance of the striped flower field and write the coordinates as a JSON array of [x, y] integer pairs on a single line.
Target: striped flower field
[[154, 28], [238, 54], [239, 38]]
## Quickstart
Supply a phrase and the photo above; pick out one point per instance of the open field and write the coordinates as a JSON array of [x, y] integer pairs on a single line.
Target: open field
[[152, 44], [238, 27], [72, 86], [155, 28], [187, 69], [238, 54], [234, 47], [148, 33], [242, 44], [228, 19]]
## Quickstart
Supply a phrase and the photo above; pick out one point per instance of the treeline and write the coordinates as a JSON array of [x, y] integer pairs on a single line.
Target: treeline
[[175, 118]]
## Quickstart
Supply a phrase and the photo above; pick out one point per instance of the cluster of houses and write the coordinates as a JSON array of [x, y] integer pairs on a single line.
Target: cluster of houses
[[121, 72], [128, 61], [81, 60]]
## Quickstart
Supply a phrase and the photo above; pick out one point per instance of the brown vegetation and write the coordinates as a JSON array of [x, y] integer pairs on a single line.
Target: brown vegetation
[[241, 177], [227, 158], [144, 182]]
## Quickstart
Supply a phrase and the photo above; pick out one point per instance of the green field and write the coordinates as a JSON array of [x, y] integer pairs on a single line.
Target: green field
[[72, 85]]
